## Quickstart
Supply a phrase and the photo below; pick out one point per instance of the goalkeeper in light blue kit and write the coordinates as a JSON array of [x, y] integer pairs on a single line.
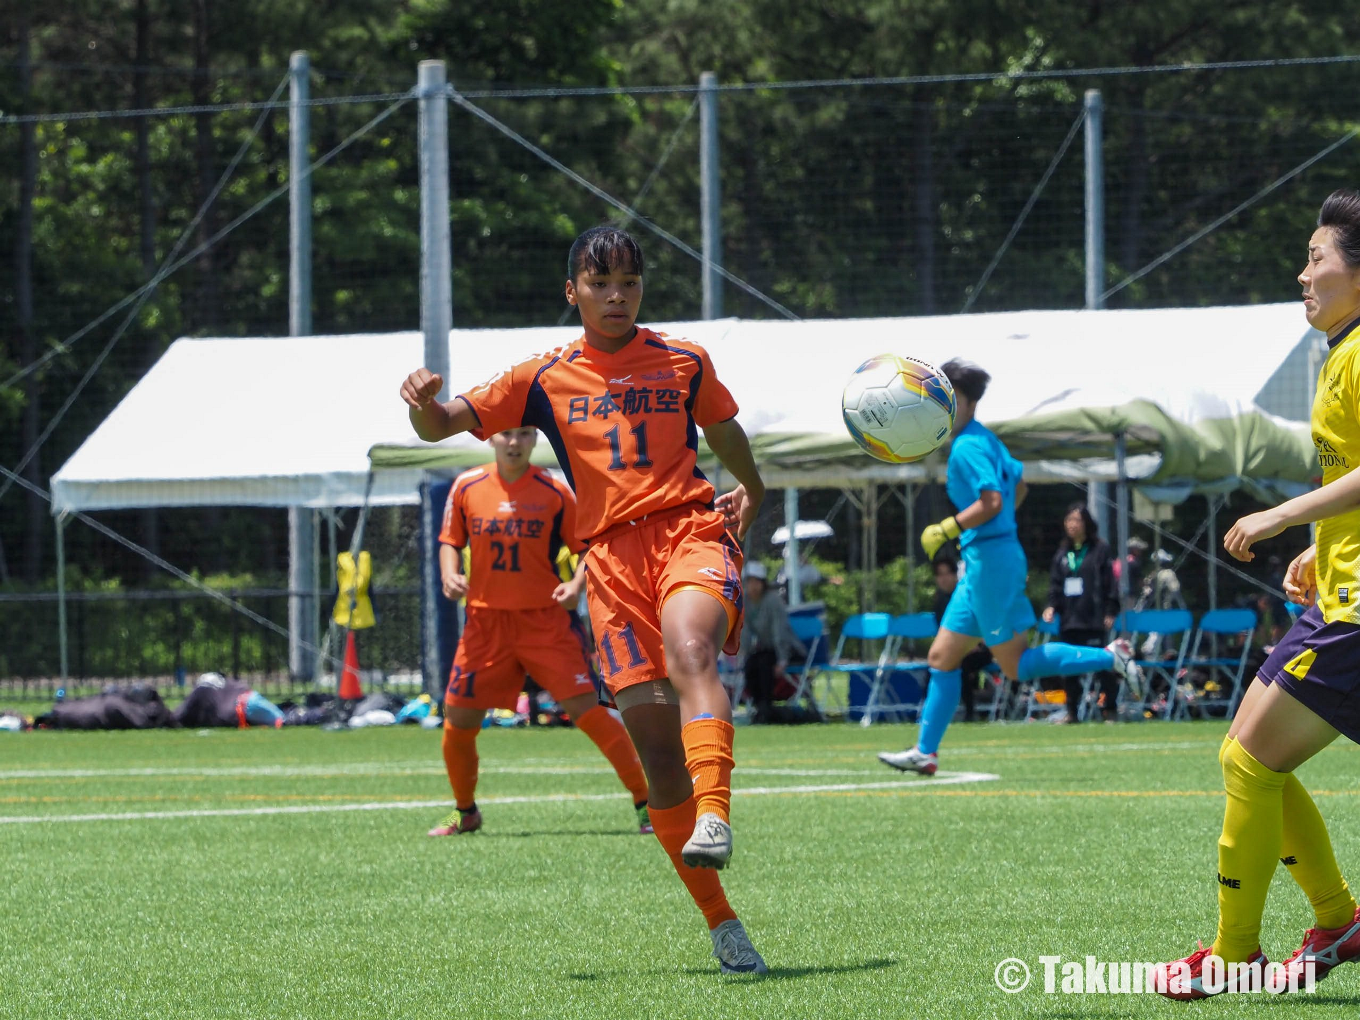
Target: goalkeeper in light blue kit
[[983, 482]]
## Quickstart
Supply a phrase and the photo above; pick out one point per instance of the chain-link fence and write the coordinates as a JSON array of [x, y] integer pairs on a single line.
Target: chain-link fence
[[842, 200]]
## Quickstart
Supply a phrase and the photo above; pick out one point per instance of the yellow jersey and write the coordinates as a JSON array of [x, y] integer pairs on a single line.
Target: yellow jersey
[[1336, 434]]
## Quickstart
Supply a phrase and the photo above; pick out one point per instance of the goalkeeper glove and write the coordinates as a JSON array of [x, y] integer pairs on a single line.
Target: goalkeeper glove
[[938, 534]]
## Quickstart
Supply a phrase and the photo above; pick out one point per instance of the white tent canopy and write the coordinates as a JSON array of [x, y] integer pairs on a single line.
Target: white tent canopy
[[291, 421]]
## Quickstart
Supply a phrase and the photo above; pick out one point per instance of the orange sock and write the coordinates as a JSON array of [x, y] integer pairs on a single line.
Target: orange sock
[[673, 827], [460, 758], [614, 743], [708, 756]]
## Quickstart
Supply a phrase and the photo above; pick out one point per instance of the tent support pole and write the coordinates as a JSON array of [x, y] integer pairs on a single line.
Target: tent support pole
[[1097, 504], [868, 548], [1212, 538], [61, 596], [1122, 511], [909, 499], [792, 560]]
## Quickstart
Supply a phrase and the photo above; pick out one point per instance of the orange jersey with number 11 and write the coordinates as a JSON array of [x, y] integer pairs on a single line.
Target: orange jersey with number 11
[[625, 426]]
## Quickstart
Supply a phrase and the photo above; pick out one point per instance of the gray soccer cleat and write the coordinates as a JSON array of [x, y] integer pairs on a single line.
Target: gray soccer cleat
[[710, 845], [1125, 666], [732, 946]]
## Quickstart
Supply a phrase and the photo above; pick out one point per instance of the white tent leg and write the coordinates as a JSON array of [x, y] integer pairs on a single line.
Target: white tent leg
[[909, 499], [1122, 512], [791, 557]]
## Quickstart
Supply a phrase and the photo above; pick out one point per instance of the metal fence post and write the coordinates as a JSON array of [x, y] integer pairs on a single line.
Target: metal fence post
[[710, 195], [302, 577], [1097, 501], [61, 594], [436, 286], [436, 319], [1095, 201]]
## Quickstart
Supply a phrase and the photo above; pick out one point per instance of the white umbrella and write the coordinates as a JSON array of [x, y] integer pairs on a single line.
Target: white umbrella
[[802, 531]]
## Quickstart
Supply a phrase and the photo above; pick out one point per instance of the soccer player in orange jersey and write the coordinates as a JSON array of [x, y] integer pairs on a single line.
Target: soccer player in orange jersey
[[622, 407], [513, 518]]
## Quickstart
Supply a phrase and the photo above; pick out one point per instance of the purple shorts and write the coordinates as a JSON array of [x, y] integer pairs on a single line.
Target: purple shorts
[[1319, 664]]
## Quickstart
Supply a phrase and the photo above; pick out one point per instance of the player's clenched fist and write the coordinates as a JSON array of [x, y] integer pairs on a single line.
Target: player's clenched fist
[[420, 387]]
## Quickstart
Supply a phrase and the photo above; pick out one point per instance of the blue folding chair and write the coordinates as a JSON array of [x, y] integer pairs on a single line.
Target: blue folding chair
[[868, 629], [1226, 670], [897, 685], [1160, 639], [811, 633]]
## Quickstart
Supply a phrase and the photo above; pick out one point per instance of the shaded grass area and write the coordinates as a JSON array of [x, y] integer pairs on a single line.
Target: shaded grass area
[[884, 899]]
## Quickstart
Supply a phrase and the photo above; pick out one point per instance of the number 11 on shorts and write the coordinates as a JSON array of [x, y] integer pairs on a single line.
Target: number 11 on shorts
[[630, 643]]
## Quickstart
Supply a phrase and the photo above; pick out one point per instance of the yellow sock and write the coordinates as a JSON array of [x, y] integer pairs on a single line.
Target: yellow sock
[[1223, 747], [1248, 850], [1306, 850]]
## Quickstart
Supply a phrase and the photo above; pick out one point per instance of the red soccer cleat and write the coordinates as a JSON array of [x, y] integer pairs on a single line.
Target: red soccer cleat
[[1186, 983], [1326, 948]]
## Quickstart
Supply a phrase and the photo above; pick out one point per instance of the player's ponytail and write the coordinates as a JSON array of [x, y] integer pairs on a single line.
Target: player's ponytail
[[1341, 212], [966, 378], [603, 249]]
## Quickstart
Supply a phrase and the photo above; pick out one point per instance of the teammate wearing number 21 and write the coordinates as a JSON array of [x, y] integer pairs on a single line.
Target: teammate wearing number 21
[[622, 407], [513, 519]]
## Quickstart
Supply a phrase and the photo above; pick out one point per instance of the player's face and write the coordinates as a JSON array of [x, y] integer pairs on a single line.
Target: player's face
[[1331, 288], [946, 580], [608, 302], [966, 408], [513, 446], [1075, 527]]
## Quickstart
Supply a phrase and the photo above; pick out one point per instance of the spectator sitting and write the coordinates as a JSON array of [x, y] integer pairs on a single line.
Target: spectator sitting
[[767, 639], [946, 580], [1083, 595]]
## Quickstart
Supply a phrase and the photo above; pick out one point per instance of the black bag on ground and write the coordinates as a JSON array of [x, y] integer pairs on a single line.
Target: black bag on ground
[[113, 710], [212, 702]]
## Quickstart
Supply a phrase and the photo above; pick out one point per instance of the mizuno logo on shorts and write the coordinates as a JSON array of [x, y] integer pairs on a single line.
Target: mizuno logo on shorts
[[712, 572]]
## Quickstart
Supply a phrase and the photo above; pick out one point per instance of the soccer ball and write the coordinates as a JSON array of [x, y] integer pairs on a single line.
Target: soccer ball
[[898, 409]]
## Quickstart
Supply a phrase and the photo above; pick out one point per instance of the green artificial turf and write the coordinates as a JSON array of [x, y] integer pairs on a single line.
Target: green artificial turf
[[895, 898]]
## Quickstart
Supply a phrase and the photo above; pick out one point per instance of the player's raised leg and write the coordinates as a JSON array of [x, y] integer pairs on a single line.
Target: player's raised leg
[[652, 713], [694, 625]]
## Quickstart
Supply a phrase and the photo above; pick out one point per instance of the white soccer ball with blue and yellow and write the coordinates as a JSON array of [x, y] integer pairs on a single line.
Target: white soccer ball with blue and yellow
[[898, 409]]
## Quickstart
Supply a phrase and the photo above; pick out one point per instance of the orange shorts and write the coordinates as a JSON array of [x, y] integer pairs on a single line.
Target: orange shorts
[[499, 646], [632, 569]]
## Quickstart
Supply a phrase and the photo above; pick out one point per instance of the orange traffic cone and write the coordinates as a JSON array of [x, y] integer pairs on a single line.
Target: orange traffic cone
[[349, 679]]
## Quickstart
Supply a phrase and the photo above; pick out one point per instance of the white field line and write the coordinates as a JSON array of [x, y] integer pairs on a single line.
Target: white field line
[[939, 779], [422, 768], [562, 766]]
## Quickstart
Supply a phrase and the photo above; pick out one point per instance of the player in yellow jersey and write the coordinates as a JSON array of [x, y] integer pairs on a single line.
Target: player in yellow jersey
[[1306, 693]]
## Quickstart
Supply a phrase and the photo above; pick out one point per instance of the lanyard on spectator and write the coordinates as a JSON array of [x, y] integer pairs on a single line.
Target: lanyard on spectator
[[1075, 559]]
